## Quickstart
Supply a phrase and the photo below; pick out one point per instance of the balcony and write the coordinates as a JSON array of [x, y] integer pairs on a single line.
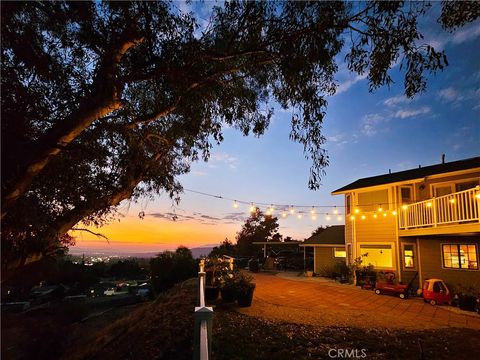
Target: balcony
[[449, 214]]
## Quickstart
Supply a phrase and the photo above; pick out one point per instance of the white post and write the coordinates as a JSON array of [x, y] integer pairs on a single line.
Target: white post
[[264, 250]]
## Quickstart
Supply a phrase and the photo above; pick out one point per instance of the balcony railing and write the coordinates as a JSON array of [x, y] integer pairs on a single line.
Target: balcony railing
[[457, 208]]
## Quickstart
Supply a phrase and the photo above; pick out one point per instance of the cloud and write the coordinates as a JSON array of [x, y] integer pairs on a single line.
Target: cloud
[[344, 86], [449, 94], [370, 123], [406, 113], [396, 100], [224, 158], [464, 35]]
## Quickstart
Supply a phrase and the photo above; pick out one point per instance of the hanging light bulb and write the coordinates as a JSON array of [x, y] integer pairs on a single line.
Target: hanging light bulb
[[284, 214], [328, 218], [299, 216], [339, 218], [235, 204], [404, 207], [252, 208], [394, 213], [357, 210], [314, 217], [429, 204], [384, 214], [352, 217], [292, 209], [380, 209], [312, 211], [374, 215], [363, 217], [335, 211]]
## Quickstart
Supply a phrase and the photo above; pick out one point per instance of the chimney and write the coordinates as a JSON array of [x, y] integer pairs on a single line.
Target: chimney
[[443, 158]]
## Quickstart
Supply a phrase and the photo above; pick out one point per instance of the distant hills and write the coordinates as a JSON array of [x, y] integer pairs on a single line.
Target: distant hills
[[197, 252]]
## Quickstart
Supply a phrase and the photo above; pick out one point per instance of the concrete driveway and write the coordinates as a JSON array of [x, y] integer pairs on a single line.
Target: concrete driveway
[[318, 301]]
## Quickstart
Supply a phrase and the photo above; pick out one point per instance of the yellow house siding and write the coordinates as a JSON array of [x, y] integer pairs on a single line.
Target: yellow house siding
[[324, 259], [376, 230], [432, 262]]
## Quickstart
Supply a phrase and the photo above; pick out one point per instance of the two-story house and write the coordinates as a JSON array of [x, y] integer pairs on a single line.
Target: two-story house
[[423, 220]]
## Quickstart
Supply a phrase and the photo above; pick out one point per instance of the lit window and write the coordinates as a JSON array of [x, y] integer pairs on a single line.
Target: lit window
[[339, 252], [408, 257], [377, 255], [460, 256]]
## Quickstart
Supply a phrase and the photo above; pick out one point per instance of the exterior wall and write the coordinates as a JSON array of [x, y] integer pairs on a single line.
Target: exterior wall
[[424, 190], [324, 259], [431, 262]]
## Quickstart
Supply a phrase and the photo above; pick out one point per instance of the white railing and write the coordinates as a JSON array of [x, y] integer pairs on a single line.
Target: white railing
[[457, 208], [203, 321]]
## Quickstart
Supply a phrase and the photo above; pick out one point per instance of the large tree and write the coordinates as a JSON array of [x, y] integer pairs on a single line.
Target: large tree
[[258, 227], [106, 101]]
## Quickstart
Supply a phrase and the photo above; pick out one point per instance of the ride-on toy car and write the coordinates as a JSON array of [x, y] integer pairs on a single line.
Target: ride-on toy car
[[436, 292], [390, 286]]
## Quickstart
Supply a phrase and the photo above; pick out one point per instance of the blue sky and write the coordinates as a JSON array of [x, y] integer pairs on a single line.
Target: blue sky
[[367, 134]]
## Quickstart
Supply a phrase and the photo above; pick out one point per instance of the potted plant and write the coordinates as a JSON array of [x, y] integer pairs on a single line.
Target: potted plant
[[244, 289], [467, 298], [216, 269], [227, 290]]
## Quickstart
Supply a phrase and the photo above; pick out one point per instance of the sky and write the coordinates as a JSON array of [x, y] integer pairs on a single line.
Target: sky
[[367, 134]]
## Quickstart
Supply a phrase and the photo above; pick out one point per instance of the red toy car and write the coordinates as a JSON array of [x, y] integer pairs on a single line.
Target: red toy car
[[389, 286], [436, 292]]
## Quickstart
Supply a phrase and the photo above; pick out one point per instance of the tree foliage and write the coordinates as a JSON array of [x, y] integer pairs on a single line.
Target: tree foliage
[[106, 101], [226, 247], [258, 227], [169, 268]]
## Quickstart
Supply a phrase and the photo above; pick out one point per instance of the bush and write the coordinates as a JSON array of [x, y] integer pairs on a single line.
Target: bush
[[169, 268]]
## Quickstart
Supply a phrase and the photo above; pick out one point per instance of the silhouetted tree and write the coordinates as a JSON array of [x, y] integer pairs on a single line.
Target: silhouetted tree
[[318, 230], [258, 227], [226, 247], [169, 268]]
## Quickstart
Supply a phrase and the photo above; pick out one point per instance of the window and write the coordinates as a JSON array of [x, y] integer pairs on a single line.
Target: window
[[443, 190], [460, 256], [347, 203], [377, 255], [372, 200], [408, 257], [339, 252], [465, 185], [406, 195]]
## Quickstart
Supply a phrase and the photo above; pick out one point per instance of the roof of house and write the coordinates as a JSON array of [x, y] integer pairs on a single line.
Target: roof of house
[[416, 173], [332, 235]]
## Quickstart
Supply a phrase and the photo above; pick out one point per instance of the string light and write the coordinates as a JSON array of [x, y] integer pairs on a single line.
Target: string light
[[380, 209], [429, 204], [384, 214], [299, 216], [363, 217], [335, 210], [339, 218], [312, 211], [235, 204], [394, 213], [292, 210], [375, 215], [328, 218], [452, 201], [314, 217], [252, 208], [357, 211], [352, 217], [284, 214]]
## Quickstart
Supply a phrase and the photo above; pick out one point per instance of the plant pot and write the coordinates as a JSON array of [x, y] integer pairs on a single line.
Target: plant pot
[[308, 273], [245, 298], [467, 303], [228, 294], [211, 293]]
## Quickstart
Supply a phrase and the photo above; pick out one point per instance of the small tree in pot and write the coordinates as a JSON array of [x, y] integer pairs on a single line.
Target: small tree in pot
[[244, 289]]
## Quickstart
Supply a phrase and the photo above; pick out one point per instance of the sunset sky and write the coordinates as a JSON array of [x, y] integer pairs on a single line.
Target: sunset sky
[[367, 134]]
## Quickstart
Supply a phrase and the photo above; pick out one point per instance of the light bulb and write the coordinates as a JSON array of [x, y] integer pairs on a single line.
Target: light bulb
[[235, 204]]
